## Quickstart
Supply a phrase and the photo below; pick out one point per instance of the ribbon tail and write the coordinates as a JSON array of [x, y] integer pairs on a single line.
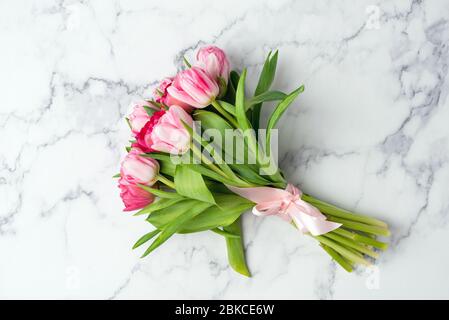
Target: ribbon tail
[[315, 225], [271, 201], [323, 227]]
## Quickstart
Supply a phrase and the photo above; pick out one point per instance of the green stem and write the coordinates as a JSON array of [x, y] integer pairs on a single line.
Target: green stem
[[226, 169], [352, 244], [362, 239], [342, 250], [361, 226], [206, 161], [223, 167], [341, 213], [364, 234], [337, 257], [355, 251], [252, 143], [224, 113], [166, 181]]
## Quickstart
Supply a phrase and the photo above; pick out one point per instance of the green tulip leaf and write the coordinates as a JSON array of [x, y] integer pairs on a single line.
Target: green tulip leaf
[[228, 209], [265, 80], [224, 233], [240, 104], [236, 251], [215, 217], [264, 97], [146, 238], [160, 193], [158, 205], [161, 217], [176, 224], [190, 183], [227, 106], [278, 112]]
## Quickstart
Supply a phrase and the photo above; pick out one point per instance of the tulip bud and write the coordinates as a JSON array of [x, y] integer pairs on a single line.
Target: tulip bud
[[138, 169], [194, 87], [133, 196], [214, 61]]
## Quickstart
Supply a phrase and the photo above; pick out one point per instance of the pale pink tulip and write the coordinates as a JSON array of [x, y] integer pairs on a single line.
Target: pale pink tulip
[[194, 87], [214, 61], [165, 132], [138, 169], [162, 96], [139, 116]]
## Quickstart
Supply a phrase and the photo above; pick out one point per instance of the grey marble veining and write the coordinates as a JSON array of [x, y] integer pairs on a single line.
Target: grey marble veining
[[370, 133]]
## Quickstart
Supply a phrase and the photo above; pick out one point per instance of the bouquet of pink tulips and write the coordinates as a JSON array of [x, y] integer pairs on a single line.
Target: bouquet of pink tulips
[[199, 160]]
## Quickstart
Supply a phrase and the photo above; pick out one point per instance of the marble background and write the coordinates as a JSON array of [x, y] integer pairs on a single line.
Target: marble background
[[370, 133]]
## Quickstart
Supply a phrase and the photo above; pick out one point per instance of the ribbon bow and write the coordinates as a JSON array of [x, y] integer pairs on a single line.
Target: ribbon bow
[[288, 205]]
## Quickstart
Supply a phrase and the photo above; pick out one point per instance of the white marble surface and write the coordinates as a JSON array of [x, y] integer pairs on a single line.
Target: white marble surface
[[370, 133]]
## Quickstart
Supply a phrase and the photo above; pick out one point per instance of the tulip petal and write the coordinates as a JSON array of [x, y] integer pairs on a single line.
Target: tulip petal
[[183, 96], [180, 114]]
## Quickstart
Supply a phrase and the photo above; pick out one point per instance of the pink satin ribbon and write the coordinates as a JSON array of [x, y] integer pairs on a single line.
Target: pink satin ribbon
[[288, 205]]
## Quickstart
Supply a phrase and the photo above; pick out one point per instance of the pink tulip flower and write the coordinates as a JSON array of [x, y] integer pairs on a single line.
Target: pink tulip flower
[[138, 169], [133, 196], [214, 61], [139, 116], [165, 132], [161, 95], [194, 87]]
